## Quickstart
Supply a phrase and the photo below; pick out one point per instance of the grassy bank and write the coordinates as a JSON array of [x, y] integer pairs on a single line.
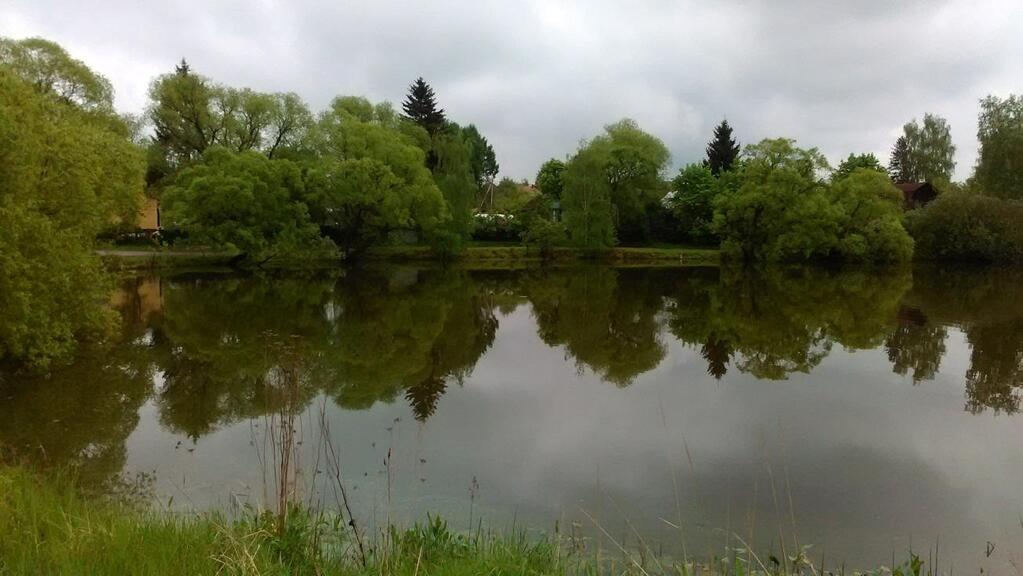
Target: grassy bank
[[49, 528], [512, 255]]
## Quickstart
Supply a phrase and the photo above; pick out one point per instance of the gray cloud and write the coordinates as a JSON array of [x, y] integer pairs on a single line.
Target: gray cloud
[[537, 77]]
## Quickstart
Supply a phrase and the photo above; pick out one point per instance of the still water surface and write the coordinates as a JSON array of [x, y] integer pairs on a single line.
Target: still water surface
[[862, 412]]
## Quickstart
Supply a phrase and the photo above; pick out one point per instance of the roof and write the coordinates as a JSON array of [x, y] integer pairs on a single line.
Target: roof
[[911, 186]]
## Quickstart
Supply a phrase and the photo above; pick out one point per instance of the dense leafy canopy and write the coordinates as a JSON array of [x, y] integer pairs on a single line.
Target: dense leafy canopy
[[67, 172], [190, 113], [931, 154], [691, 201], [855, 162], [243, 201], [549, 178], [586, 201], [1000, 161], [784, 211], [965, 226], [632, 163]]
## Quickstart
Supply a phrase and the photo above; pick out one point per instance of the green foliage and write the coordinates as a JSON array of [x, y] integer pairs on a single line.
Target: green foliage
[[545, 235], [965, 226], [931, 154], [396, 191], [999, 168], [549, 178], [691, 201], [869, 212], [190, 114], [855, 162], [634, 162], [586, 201], [357, 203], [783, 211], [67, 172], [777, 177], [51, 71], [723, 150], [453, 174], [482, 160], [242, 201]]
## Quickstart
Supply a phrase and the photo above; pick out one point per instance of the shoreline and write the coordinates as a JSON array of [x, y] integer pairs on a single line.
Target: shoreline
[[511, 255]]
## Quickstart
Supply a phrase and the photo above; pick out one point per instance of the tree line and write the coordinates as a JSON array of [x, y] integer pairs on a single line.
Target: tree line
[[265, 176]]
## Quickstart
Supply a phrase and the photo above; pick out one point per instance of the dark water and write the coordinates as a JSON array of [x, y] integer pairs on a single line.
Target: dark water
[[862, 412]]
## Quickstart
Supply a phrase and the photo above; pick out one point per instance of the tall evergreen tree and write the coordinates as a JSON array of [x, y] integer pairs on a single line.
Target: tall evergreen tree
[[722, 150], [420, 106], [900, 166]]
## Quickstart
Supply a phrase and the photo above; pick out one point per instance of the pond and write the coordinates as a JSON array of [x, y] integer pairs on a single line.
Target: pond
[[673, 410]]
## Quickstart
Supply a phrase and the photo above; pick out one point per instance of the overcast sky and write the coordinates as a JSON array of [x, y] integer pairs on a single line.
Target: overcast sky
[[537, 77]]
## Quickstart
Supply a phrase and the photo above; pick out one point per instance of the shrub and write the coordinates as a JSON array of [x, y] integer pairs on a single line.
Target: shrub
[[545, 235], [965, 226]]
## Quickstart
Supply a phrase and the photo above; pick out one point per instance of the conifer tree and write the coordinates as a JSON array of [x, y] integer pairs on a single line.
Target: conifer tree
[[900, 166], [722, 150], [420, 106]]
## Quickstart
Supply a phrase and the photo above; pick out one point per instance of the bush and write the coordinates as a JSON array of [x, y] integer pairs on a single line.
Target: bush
[[965, 226], [545, 235]]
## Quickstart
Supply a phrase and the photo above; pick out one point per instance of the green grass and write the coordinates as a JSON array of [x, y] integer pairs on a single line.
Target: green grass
[[47, 527]]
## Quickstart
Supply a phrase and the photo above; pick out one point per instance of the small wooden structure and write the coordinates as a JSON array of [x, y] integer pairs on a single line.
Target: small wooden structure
[[916, 194], [150, 217]]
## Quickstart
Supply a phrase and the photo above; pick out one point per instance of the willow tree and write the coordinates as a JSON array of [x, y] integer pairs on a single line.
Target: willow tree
[[68, 171]]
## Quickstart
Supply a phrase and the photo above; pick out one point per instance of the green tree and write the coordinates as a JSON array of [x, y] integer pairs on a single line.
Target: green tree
[[67, 171], [453, 174], [586, 201], [404, 197], [357, 203], [420, 106], [723, 150], [242, 201], [51, 71], [931, 150], [999, 168], [633, 163], [965, 226], [482, 160], [854, 162], [191, 113], [777, 177], [691, 201], [900, 165], [869, 218], [549, 178]]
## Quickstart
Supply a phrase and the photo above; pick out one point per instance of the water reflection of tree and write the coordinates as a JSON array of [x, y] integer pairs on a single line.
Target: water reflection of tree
[[212, 346], [984, 303], [79, 416], [773, 322], [606, 319], [364, 336], [916, 345]]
